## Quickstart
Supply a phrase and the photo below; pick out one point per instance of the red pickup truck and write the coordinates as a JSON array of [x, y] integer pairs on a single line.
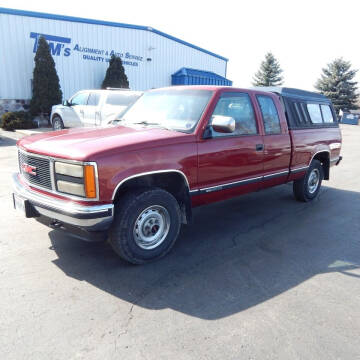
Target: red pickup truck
[[175, 148]]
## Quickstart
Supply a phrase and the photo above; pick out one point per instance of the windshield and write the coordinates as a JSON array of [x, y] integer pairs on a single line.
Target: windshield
[[172, 108]]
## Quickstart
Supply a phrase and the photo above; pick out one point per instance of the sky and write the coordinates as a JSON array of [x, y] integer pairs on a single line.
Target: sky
[[303, 35]]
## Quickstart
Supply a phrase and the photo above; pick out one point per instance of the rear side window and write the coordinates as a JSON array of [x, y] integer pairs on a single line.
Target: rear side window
[[300, 109], [239, 107], [315, 113], [121, 99], [269, 114], [327, 114], [94, 99]]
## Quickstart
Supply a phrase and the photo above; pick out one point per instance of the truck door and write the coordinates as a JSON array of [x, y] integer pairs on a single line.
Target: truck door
[[78, 103], [92, 110], [232, 160], [277, 146]]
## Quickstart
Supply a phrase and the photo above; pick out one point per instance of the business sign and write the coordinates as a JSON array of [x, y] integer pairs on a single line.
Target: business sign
[[62, 46]]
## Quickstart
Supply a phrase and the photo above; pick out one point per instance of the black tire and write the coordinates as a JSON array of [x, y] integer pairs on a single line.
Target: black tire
[[305, 190], [57, 123], [125, 234]]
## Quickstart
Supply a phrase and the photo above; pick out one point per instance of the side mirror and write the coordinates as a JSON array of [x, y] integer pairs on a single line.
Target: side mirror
[[223, 124], [66, 103]]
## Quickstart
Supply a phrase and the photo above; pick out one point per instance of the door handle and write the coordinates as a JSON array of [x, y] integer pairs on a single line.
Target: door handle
[[259, 147]]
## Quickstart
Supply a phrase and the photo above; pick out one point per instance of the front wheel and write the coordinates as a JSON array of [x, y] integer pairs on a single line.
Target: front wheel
[[57, 123], [146, 225], [307, 188]]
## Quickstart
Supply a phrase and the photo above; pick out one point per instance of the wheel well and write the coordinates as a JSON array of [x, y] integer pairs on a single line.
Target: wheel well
[[56, 114], [172, 182], [324, 158]]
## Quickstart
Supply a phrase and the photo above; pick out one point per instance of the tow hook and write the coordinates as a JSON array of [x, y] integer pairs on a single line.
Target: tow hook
[[56, 224]]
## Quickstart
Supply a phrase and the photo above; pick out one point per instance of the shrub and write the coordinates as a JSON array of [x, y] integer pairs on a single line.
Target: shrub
[[115, 74], [16, 120], [46, 85]]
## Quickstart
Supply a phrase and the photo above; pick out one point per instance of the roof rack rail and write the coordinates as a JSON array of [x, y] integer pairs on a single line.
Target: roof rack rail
[[113, 88]]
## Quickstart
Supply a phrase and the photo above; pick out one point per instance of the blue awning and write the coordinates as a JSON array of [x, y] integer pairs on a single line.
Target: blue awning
[[187, 76]]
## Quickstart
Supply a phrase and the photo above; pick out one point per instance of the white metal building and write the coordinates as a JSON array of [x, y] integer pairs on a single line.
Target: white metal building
[[81, 49]]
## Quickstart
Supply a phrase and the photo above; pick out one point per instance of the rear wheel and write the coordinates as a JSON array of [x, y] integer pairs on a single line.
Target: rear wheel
[[57, 123], [307, 188], [146, 225]]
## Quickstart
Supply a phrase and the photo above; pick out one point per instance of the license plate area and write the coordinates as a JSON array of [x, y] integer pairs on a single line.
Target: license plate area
[[24, 206]]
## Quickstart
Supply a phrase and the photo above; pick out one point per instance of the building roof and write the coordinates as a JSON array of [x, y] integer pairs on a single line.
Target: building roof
[[104, 23]]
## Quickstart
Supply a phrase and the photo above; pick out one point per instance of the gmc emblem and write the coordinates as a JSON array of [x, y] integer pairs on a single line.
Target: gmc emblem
[[29, 169]]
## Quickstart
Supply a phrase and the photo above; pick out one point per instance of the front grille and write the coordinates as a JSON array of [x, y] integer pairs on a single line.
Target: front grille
[[42, 165]]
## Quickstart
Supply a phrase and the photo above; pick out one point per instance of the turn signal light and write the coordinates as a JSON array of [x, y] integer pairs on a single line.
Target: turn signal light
[[90, 181]]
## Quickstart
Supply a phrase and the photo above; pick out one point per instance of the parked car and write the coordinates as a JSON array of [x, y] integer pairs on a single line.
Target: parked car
[[174, 149], [92, 108]]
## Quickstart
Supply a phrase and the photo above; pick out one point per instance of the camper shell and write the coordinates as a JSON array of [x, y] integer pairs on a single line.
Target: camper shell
[[296, 108]]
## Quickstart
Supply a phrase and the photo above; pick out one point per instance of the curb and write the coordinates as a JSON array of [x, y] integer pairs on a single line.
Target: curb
[[33, 131]]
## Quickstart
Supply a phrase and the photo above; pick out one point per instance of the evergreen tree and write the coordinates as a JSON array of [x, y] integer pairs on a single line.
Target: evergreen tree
[[46, 86], [336, 83], [269, 73], [115, 74]]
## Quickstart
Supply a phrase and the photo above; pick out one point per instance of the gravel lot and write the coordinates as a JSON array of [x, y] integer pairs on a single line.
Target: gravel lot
[[257, 277]]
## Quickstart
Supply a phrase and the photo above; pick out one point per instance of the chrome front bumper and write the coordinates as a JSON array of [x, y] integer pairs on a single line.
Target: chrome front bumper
[[89, 218]]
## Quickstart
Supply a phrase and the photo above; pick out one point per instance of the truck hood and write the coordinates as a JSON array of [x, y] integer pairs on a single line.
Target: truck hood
[[86, 144]]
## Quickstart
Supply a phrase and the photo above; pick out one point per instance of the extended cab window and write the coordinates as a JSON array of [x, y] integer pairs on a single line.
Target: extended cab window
[[315, 113], [80, 99], [327, 114], [239, 107], [269, 114]]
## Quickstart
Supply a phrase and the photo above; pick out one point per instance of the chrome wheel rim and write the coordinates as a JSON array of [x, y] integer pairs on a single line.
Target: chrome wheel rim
[[313, 181], [57, 124], [151, 227]]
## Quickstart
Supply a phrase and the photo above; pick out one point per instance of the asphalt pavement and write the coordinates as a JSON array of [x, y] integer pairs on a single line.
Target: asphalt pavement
[[257, 277]]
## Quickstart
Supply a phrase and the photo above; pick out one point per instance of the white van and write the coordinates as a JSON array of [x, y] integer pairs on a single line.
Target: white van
[[92, 108]]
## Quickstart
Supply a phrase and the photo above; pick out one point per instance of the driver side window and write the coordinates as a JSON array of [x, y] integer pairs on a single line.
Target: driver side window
[[80, 99], [239, 107]]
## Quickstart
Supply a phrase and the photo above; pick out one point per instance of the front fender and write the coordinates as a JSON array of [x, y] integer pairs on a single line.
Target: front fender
[[56, 110]]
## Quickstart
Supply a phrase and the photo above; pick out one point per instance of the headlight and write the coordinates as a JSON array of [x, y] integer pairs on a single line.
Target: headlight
[[76, 179], [69, 169], [70, 188]]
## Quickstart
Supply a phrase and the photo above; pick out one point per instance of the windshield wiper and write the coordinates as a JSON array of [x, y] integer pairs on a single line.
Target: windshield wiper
[[146, 123], [117, 120], [152, 123]]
